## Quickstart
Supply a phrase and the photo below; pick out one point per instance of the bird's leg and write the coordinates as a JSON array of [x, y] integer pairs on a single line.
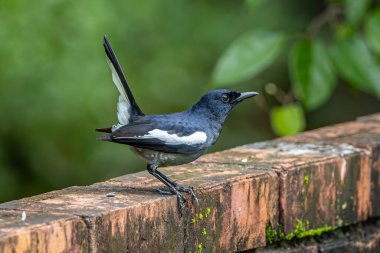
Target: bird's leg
[[152, 169], [180, 188]]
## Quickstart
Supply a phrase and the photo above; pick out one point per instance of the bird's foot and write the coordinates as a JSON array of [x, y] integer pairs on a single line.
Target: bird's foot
[[165, 190], [181, 203], [187, 189]]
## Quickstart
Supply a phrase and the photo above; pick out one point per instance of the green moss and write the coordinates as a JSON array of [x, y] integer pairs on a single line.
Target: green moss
[[306, 180], [300, 230], [200, 247], [204, 231], [207, 212], [271, 234], [200, 229]]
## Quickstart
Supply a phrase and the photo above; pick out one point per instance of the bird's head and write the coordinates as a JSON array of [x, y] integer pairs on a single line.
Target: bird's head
[[218, 103]]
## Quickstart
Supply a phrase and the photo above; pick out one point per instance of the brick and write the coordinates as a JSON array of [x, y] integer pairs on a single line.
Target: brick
[[241, 202], [363, 237], [41, 232], [320, 185], [364, 135], [373, 118], [298, 249], [325, 178], [360, 238], [370, 244], [132, 221], [236, 204]]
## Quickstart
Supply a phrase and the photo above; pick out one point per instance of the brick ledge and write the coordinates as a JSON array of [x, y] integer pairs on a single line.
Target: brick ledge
[[329, 177]]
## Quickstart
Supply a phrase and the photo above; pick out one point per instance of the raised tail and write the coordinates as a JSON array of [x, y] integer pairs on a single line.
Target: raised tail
[[104, 130], [127, 105]]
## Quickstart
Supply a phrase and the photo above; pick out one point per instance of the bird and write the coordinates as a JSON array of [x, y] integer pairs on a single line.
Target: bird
[[168, 139]]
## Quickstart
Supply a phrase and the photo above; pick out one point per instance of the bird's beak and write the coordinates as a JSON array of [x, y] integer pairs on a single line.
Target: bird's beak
[[245, 95]]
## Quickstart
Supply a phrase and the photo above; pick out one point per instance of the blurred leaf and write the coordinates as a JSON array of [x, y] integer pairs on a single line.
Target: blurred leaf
[[287, 120], [253, 4], [344, 30], [312, 73], [356, 64], [372, 30], [248, 55], [355, 10]]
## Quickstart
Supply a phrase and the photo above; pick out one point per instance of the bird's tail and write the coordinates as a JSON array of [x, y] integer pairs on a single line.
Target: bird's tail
[[128, 105], [104, 138], [104, 130]]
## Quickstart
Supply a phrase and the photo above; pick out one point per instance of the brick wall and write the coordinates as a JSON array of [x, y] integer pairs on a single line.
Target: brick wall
[[251, 195]]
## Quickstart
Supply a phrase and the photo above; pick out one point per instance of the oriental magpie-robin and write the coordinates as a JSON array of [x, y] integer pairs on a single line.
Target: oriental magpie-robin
[[168, 139]]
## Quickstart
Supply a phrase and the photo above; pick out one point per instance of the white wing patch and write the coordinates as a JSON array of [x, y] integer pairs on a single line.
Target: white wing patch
[[123, 105], [198, 137], [123, 111]]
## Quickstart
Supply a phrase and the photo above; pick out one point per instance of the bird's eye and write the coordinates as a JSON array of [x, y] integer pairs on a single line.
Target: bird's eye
[[225, 98]]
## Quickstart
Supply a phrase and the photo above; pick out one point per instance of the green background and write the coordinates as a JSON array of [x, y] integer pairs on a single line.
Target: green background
[[56, 88]]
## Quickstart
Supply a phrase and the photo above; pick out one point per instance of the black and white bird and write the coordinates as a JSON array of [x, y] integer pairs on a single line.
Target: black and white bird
[[168, 139]]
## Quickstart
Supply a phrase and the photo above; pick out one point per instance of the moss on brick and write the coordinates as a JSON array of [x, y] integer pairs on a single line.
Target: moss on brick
[[306, 180], [271, 234], [300, 231]]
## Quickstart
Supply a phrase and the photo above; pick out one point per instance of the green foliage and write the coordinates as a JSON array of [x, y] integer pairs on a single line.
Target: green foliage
[[253, 4], [355, 10], [313, 76], [55, 85], [248, 55], [330, 47], [287, 119], [372, 30], [356, 64]]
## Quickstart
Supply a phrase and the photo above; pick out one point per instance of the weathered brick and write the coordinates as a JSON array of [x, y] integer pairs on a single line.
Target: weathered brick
[[41, 232], [236, 204], [132, 221], [359, 238], [364, 135], [239, 202], [320, 185], [298, 249], [373, 118]]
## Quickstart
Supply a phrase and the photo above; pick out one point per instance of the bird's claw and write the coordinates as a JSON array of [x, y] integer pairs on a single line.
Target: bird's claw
[[181, 203], [187, 189]]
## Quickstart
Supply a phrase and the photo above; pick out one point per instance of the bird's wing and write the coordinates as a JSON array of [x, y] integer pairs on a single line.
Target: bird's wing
[[168, 138], [127, 106]]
